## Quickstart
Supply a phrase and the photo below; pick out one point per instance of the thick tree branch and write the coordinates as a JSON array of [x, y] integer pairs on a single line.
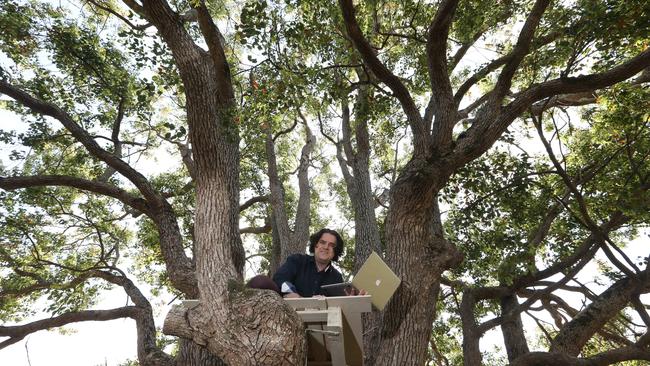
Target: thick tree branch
[[573, 85], [575, 334], [430, 111], [253, 201], [288, 241], [303, 217], [137, 8], [493, 65], [437, 67], [565, 100], [256, 230], [148, 352], [276, 197], [366, 51], [601, 359], [106, 189], [109, 10], [580, 98], [520, 51], [346, 142], [18, 332], [48, 109], [513, 330], [486, 130], [214, 40], [343, 144], [471, 333], [641, 310], [115, 138]]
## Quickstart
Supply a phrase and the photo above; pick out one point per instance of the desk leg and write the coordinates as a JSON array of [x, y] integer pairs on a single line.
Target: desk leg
[[352, 330], [335, 339]]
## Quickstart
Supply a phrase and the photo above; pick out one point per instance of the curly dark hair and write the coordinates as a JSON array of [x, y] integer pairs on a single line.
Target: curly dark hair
[[338, 249]]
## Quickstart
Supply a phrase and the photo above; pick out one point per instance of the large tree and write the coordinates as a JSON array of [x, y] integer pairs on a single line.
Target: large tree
[[67, 198], [230, 321], [442, 145]]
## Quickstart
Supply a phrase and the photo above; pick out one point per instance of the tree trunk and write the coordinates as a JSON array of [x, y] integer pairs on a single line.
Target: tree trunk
[[259, 328], [241, 326], [281, 231], [276, 255], [513, 330], [359, 188], [286, 241], [190, 353], [471, 336], [418, 255], [367, 240]]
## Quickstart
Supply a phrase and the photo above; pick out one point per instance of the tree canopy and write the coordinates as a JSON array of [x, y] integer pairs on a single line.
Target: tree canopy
[[495, 153]]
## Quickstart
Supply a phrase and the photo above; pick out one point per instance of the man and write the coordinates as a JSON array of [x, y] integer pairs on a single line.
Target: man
[[303, 275]]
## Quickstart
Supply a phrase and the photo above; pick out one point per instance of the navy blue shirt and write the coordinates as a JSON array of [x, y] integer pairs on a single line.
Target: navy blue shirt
[[299, 274]]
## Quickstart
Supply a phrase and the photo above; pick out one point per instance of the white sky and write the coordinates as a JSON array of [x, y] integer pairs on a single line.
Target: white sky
[[93, 343]]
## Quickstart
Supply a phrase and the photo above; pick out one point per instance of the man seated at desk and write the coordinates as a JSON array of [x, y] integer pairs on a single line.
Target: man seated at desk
[[302, 275]]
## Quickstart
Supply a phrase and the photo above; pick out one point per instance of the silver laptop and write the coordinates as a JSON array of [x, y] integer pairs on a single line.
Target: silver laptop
[[376, 278]]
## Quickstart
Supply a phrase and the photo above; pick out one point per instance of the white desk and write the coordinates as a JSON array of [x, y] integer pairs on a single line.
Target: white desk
[[335, 334]]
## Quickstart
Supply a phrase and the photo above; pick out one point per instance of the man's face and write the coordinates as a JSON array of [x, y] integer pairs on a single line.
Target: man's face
[[324, 250]]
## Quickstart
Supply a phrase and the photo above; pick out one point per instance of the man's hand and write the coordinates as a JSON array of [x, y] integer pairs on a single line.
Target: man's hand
[[352, 291], [292, 295]]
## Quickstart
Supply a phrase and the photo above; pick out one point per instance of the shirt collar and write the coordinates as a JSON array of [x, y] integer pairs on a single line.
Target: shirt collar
[[313, 260]]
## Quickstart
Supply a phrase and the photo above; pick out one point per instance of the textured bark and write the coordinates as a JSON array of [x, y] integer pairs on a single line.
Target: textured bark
[[276, 251], [190, 353], [513, 329], [180, 269], [359, 188], [575, 334], [289, 241], [601, 359], [358, 184], [279, 219], [240, 326], [418, 255], [239, 332], [471, 335], [264, 330]]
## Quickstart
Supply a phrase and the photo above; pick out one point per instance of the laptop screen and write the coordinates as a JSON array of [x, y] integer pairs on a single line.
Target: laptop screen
[[377, 279]]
